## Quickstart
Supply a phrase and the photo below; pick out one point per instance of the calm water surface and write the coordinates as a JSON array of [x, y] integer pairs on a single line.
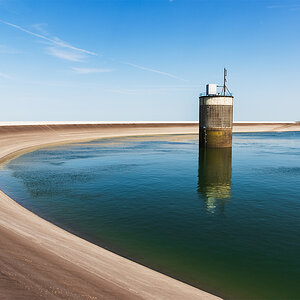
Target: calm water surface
[[225, 221]]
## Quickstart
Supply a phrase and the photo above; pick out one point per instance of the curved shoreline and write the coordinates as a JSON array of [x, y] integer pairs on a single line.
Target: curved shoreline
[[39, 260]]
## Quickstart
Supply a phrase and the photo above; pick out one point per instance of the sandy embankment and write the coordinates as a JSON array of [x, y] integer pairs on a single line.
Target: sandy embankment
[[38, 260], [266, 126]]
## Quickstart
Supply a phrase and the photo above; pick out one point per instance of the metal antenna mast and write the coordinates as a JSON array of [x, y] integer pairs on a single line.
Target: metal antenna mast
[[225, 80], [224, 87]]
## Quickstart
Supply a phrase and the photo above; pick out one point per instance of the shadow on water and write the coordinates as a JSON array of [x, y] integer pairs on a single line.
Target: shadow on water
[[214, 177]]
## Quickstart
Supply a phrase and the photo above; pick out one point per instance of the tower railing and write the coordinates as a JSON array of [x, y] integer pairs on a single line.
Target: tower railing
[[218, 94]]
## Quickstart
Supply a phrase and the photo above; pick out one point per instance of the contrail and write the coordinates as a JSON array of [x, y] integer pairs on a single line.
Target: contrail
[[57, 41], [154, 71]]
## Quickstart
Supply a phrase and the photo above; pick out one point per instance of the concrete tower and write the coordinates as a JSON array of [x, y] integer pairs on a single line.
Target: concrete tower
[[216, 114]]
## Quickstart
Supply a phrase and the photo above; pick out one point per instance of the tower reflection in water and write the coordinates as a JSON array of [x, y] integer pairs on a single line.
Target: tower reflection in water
[[214, 177]]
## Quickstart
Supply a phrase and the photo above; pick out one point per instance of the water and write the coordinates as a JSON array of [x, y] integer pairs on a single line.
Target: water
[[225, 221]]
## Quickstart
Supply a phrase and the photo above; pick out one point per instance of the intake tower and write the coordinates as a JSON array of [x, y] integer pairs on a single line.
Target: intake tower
[[216, 115]]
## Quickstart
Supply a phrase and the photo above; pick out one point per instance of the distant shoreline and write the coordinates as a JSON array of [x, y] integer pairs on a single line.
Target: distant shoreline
[[30, 123], [174, 127], [41, 260]]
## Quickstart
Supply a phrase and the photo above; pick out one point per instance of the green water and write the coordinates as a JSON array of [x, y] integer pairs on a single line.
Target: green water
[[226, 221]]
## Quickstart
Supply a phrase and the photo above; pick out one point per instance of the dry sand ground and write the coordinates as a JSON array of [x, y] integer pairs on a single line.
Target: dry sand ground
[[38, 260]]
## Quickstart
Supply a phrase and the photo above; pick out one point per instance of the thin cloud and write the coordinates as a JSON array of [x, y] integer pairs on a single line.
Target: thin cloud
[[40, 27], [65, 54], [7, 50], [63, 50], [56, 41], [3, 75], [154, 71], [90, 70]]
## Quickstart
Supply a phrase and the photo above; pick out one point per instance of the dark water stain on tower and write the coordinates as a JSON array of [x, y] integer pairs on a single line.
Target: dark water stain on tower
[[216, 114]]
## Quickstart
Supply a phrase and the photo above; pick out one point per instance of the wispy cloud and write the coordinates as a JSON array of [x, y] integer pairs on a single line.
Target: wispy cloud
[[56, 41], [40, 27], [65, 54], [8, 50], [63, 50], [58, 48], [90, 70], [3, 75], [154, 71]]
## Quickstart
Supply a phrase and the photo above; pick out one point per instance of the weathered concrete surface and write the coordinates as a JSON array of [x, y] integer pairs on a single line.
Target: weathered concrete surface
[[216, 118]]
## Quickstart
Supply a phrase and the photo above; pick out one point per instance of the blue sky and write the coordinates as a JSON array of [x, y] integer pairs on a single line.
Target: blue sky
[[118, 60]]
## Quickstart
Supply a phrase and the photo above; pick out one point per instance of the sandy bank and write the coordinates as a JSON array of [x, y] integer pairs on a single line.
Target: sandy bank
[[266, 126], [41, 261]]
